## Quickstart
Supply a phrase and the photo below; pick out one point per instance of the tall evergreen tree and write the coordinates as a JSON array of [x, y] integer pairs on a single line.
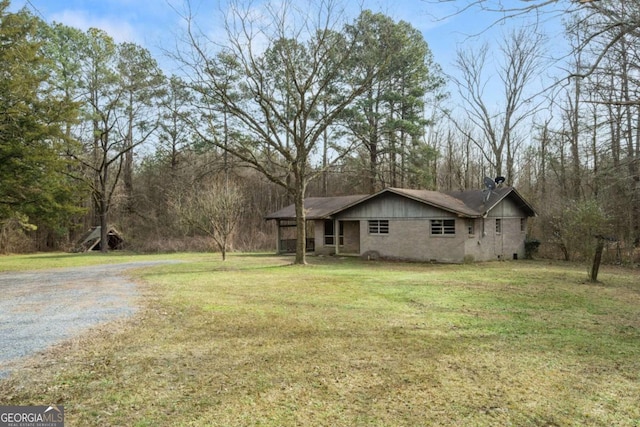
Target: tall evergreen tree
[[32, 118], [388, 118], [142, 85]]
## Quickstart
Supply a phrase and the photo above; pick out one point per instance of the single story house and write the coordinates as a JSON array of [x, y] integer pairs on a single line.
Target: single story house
[[417, 225]]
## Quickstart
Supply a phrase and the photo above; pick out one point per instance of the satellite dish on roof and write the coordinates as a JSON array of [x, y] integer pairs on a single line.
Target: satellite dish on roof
[[491, 185], [500, 180]]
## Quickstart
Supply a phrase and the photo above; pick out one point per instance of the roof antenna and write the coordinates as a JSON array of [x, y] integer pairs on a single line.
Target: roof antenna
[[490, 185]]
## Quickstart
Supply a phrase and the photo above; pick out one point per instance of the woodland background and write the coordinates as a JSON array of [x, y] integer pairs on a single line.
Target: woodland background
[[93, 132]]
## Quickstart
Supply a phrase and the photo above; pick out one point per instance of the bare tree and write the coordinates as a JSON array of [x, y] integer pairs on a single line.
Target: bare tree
[[609, 114], [271, 78], [520, 63], [461, 166], [214, 210], [617, 18]]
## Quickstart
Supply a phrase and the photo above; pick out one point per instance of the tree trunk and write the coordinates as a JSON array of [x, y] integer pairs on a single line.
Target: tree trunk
[[574, 125], [104, 229], [595, 267], [373, 162], [393, 159], [301, 228], [635, 203], [325, 156], [544, 142], [103, 205], [594, 153], [128, 172]]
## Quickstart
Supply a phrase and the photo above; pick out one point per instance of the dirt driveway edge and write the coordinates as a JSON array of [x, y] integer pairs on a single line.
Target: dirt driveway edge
[[44, 307]]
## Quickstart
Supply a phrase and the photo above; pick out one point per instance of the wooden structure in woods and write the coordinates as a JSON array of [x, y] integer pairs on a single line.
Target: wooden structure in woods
[[91, 241]]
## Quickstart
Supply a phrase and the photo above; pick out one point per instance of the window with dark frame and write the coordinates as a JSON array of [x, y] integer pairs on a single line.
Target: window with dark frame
[[498, 226], [523, 225], [378, 226], [443, 227], [471, 227], [329, 238], [329, 233]]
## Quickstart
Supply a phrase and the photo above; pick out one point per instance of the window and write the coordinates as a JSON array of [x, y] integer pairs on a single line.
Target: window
[[329, 233], [523, 225], [378, 226], [498, 226], [441, 227], [329, 238], [471, 227]]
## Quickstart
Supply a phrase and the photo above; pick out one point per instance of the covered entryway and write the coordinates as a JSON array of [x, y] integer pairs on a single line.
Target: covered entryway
[[318, 210], [345, 233], [349, 238], [287, 237]]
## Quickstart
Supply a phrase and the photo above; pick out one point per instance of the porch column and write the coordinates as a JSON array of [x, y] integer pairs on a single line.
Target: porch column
[[278, 237], [336, 235]]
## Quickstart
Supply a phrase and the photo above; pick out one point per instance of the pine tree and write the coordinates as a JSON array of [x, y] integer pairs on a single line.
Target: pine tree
[[33, 185]]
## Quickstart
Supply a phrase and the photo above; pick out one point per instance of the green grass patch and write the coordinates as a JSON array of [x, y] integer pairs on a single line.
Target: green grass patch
[[344, 342], [47, 260]]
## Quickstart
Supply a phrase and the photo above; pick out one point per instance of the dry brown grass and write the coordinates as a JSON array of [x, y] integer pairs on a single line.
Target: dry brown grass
[[343, 342]]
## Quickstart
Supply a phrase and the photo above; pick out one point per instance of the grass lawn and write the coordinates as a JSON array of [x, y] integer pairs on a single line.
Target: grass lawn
[[43, 261], [343, 342]]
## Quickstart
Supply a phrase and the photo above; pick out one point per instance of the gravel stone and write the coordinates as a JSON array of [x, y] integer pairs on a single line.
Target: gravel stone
[[41, 308]]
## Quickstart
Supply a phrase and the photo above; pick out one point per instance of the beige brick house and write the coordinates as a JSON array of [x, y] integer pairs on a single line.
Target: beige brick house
[[418, 225]]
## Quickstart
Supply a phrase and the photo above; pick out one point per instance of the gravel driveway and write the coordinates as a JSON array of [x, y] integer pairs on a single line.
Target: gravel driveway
[[40, 308]]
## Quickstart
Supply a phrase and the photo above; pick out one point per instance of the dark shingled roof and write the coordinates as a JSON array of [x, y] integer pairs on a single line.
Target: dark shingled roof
[[440, 200], [317, 207], [463, 203], [474, 199]]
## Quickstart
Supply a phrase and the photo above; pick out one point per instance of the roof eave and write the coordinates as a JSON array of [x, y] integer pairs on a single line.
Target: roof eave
[[523, 203], [460, 214]]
